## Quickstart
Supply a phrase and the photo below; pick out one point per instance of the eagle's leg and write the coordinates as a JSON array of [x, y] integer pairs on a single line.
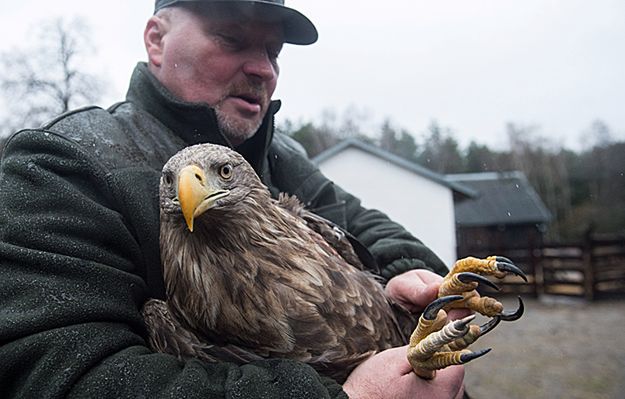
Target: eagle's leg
[[434, 344]]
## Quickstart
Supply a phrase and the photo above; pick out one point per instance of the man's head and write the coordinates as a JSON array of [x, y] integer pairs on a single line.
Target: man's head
[[224, 53]]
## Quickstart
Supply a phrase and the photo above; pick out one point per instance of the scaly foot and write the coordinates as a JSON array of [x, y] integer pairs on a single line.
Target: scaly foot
[[436, 344]]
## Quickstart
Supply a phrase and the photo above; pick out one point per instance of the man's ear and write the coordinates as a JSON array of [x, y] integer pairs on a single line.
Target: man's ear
[[153, 39]]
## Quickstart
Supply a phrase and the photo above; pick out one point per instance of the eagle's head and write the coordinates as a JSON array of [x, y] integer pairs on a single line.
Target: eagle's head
[[204, 177]]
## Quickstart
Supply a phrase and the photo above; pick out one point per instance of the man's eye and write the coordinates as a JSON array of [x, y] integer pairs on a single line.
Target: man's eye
[[228, 40]]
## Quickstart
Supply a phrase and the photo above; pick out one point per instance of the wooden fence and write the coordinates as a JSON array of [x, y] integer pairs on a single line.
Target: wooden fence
[[591, 269]]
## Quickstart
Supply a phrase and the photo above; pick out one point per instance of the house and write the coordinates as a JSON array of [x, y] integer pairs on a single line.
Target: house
[[417, 198], [507, 213]]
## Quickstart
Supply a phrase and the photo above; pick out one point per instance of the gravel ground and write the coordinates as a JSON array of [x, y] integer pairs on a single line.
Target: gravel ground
[[560, 348]]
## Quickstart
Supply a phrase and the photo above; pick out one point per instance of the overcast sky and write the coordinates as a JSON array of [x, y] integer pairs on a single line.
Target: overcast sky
[[472, 65]]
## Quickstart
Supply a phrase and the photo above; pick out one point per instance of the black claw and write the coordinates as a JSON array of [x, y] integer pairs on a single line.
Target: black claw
[[432, 309], [462, 324], [505, 265], [468, 277], [467, 357], [513, 315], [487, 327], [503, 259]]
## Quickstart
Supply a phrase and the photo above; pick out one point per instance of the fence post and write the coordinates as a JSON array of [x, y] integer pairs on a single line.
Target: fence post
[[536, 259], [589, 274]]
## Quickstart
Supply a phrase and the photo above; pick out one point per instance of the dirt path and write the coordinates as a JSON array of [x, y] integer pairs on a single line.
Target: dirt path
[[559, 349]]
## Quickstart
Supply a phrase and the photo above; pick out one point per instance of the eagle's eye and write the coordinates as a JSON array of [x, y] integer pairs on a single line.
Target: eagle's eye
[[226, 171]]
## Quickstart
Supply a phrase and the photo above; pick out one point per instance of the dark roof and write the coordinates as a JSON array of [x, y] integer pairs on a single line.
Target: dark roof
[[504, 198], [396, 160]]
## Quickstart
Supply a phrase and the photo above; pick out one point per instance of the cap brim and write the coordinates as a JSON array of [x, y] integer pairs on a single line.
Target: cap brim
[[298, 29]]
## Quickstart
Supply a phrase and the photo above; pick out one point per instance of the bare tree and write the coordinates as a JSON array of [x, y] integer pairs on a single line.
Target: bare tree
[[399, 142], [48, 78], [330, 130], [598, 134], [544, 163], [440, 151]]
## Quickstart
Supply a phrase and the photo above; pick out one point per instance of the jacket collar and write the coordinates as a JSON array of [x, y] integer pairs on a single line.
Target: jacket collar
[[196, 123]]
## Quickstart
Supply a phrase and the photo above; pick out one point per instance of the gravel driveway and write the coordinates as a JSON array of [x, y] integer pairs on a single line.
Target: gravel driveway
[[560, 348]]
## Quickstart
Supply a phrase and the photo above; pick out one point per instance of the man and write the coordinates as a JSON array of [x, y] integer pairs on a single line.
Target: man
[[79, 221]]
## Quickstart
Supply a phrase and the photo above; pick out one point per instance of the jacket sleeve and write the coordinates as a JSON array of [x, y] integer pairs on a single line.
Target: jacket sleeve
[[394, 249], [76, 254]]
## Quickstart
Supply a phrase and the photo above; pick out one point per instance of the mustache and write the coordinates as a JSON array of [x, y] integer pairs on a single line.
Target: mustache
[[251, 91]]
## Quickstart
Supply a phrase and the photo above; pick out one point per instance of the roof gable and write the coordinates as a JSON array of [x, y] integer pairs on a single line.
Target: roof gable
[[504, 198], [395, 160]]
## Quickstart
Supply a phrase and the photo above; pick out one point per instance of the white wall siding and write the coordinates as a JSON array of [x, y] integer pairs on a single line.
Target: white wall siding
[[422, 206]]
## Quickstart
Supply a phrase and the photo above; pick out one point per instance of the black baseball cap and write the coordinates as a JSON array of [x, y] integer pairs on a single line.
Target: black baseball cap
[[297, 28]]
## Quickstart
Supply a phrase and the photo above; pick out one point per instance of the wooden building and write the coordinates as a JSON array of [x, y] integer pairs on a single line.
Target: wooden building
[[506, 213]]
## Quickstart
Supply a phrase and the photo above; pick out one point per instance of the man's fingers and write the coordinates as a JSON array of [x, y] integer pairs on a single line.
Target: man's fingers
[[451, 380], [414, 289], [389, 375], [396, 360], [457, 314], [420, 297]]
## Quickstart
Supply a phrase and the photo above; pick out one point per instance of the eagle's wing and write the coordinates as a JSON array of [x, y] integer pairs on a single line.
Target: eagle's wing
[[348, 246], [350, 249], [167, 335]]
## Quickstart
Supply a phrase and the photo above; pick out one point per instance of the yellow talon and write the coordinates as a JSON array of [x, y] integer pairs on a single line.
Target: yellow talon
[[435, 345]]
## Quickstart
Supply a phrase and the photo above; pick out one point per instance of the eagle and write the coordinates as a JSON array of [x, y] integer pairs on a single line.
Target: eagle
[[248, 277]]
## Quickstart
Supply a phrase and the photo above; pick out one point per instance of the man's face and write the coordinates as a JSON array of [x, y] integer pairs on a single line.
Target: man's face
[[221, 60]]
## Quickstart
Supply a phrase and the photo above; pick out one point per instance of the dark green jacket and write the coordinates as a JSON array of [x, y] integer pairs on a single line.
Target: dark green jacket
[[79, 252]]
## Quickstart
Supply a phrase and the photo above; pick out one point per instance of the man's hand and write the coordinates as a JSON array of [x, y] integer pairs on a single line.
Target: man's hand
[[389, 375], [414, 289]]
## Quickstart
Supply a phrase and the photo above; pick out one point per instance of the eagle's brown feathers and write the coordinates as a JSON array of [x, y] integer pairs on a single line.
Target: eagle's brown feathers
[[256, 277]]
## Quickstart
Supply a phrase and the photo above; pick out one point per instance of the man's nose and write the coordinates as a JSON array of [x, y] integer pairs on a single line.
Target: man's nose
[[260, 65]]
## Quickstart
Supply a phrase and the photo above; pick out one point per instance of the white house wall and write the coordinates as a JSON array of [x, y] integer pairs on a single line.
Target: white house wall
[[422, 206]]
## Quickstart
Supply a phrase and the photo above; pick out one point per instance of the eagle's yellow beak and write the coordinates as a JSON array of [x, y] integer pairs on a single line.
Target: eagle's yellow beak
[[195, 194]]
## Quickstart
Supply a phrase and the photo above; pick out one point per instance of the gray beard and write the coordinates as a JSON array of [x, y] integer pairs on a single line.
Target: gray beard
[[235, 130]]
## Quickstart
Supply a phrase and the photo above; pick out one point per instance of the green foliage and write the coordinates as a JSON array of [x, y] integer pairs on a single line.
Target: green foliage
[[401, 142], [479, 158], [440, 151], [316, 138]]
